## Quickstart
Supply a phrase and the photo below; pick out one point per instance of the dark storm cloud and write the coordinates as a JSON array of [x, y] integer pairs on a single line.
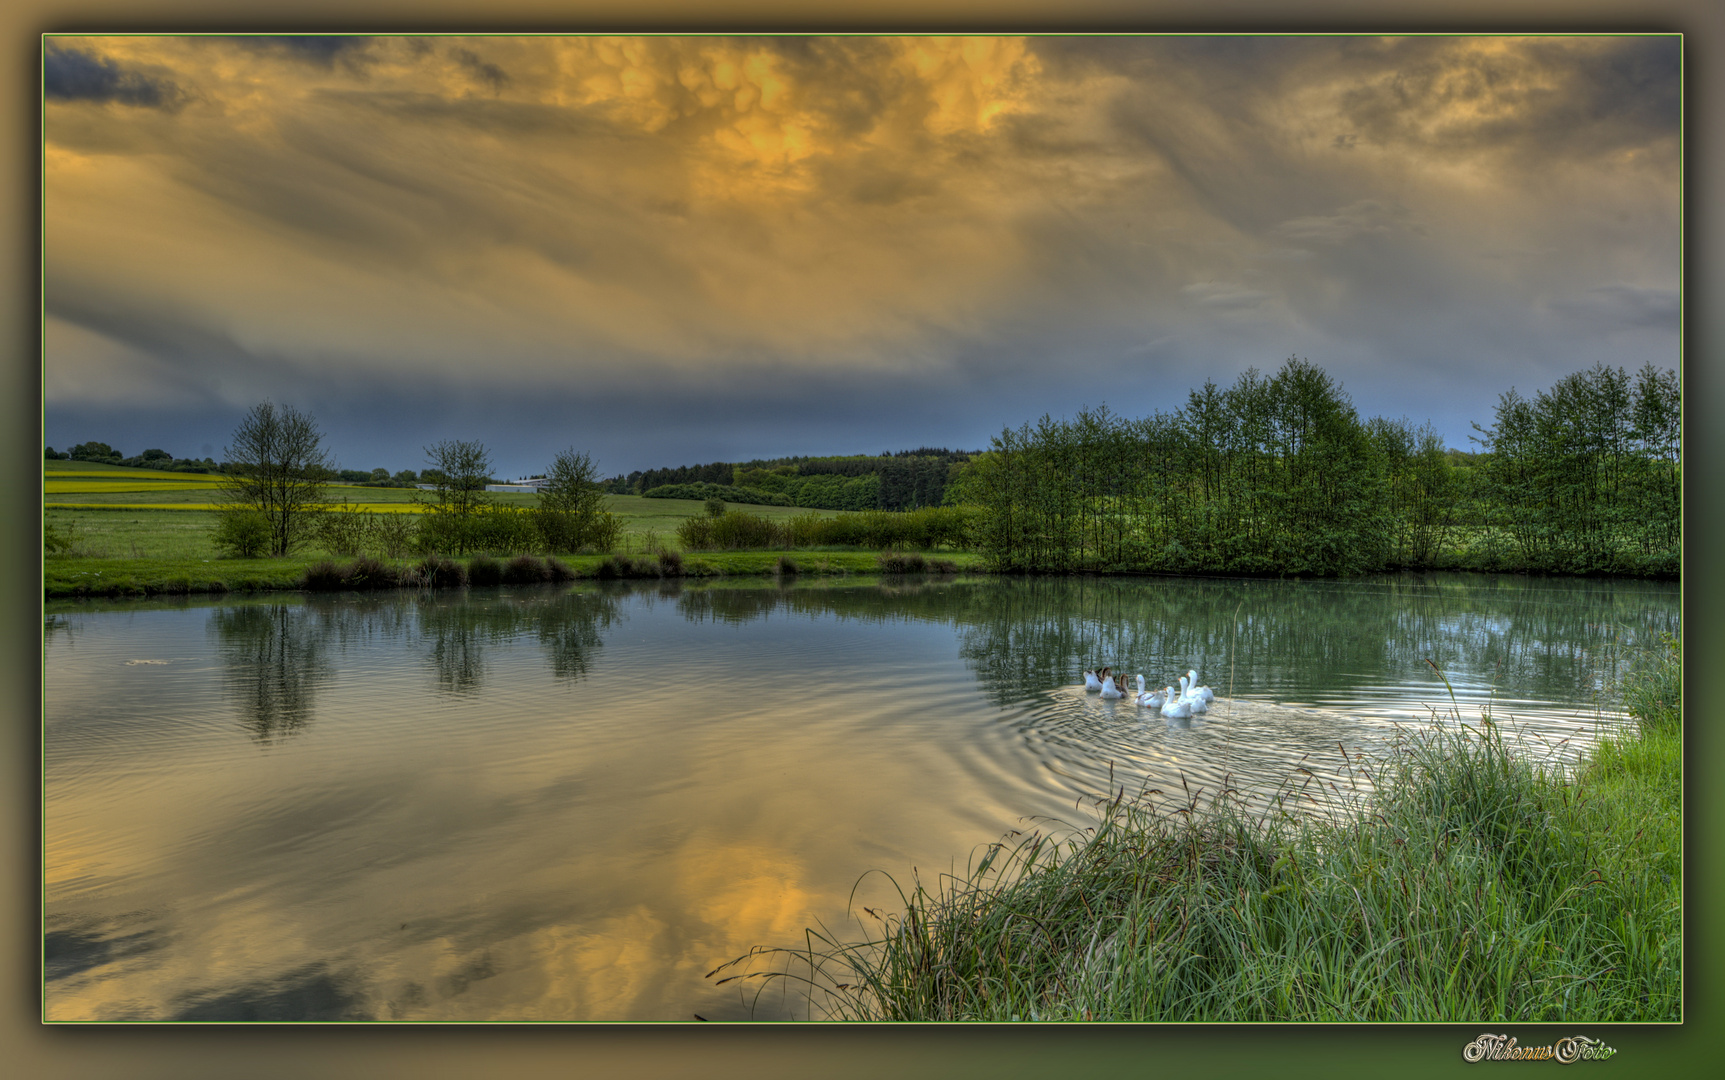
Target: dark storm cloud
[[486, 71], [75, 75], [322, 50], [1623, 307], [1547, 100], [665, 250], [151, 331]]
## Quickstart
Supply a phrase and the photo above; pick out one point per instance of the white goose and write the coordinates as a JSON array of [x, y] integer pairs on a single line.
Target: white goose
[[1195, 690], [1176, 709], [1111, 687], [1195, 700], [1150, 700], [1091, 682]]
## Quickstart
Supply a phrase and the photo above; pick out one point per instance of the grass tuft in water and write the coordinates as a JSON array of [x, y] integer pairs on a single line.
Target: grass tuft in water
[[483, 570], [525, 570]]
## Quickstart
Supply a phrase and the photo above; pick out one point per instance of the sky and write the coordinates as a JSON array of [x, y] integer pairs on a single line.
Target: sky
[[670, 250]]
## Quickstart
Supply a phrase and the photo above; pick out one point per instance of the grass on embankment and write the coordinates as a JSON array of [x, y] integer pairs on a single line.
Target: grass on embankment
[[1479, 887], [120, 551], [75, 577]]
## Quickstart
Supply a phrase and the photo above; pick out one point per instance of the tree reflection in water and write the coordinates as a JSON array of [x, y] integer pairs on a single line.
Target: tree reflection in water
[[275, 658], [457, 629], [1024, 635]]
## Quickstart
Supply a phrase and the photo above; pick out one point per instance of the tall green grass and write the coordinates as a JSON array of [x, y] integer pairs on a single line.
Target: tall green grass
[[1477, 885]]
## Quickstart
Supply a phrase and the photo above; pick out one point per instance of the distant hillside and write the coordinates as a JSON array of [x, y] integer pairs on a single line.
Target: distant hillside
[[902, 481]]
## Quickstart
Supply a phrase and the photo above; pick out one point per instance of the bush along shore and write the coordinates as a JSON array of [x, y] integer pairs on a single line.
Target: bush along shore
[[90, 577], [1476, 886]]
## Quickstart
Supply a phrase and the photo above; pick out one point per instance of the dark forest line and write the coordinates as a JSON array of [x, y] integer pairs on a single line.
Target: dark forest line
[[1280, 475]]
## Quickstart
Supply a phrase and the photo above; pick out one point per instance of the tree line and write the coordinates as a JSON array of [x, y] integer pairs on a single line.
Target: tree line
[[1281, 475], [276, 499], [100, 453], [904, 480]]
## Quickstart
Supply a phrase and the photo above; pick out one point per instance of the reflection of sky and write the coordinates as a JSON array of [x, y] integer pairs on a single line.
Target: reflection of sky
[[688, 249], [538, 845]]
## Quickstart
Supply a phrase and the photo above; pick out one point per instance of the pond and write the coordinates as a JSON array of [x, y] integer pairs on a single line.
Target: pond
[[572, 803]]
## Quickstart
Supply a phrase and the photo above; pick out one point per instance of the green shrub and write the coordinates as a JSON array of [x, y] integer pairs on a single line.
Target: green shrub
[[787, 566], [343, 530], [501, 528], [558, 570], [394, 533], [670, 564], [696, 533], [715, 507], [241, 534], [605, 532]]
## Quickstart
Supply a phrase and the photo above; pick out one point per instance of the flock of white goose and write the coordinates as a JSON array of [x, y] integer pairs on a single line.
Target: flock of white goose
[[1188, 702]]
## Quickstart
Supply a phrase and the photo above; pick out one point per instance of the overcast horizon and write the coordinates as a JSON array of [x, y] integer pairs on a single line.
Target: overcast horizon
[[672, 250]]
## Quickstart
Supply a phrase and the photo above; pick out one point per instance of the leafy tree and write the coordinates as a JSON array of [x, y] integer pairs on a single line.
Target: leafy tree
[[571, 512], [1588, 471], [95, 451], [279, 469], [459, 470]]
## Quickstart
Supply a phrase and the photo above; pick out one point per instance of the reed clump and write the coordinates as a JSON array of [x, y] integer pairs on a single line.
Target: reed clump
[[365, 572], [893, 562], [483, 570], [440, 572], [1476, 885], [322, 576], [526, 570]]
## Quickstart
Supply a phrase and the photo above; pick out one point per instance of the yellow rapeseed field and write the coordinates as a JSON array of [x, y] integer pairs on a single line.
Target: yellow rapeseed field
[[381, 508], [58, 486], [206, 479]]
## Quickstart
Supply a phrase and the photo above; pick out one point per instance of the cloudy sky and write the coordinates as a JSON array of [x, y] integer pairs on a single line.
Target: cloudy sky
[[676, 249]]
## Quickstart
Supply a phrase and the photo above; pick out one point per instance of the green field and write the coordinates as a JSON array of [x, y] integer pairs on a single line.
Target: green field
[[144, 531]]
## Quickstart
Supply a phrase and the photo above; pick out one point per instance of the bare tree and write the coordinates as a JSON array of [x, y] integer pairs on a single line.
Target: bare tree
[[280, 469]]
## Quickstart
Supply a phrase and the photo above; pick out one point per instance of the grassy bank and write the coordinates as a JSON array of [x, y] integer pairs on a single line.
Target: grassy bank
[[1479, 886], [88, 576]]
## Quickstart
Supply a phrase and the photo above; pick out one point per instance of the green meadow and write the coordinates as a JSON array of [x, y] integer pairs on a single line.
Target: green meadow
[[126, 531]]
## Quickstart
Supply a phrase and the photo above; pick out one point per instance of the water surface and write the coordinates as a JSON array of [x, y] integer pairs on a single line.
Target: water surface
[[571, 803]]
